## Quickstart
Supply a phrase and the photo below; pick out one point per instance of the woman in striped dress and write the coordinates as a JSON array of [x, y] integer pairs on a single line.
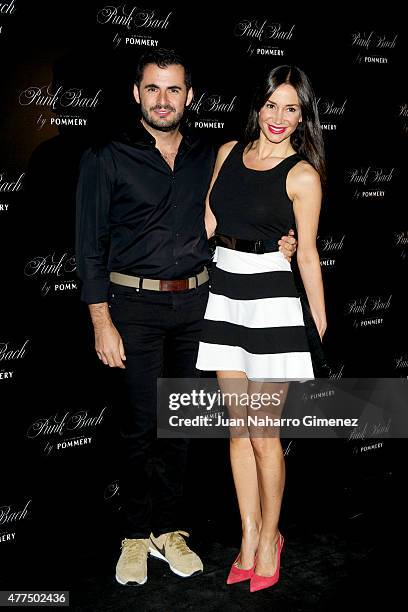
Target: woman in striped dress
[[253, 327]]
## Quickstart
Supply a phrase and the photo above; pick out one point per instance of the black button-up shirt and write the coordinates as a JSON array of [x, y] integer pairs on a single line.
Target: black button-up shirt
[[136, 215]]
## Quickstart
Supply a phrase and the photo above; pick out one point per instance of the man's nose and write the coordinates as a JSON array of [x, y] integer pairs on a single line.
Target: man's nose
[[162, 98]]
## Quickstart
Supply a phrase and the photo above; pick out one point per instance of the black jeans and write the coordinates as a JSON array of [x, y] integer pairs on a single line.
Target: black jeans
[[160, 332]]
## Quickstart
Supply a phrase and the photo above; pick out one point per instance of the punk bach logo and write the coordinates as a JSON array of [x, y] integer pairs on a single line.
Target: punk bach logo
[[330, 112], [137, 26], [13, 513], [261, 29], [61, 101], [373, 40], [60, 98], [10, 352], [263, 37], [10, 515], [373, 47], [52, 271], [9, 185], [56, 430], [368, 311], [330, 246], [205, 102], [403, 116], [400, 242], [6, 10], [369, 182]]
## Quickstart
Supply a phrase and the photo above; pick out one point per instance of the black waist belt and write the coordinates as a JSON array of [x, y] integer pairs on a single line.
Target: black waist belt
[[248, 246]]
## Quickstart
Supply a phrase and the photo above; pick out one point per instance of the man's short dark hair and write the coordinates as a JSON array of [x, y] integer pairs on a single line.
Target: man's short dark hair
[[162, 58]]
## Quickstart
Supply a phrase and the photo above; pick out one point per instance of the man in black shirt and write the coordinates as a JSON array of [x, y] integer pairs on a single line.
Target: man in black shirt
[[141, 250]]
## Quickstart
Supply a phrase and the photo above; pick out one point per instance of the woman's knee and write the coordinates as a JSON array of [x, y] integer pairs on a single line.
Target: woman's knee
[[265, 446]]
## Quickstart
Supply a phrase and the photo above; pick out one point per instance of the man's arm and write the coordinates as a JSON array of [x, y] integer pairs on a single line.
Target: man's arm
[[93, 198], [288, 245], [108, 343]]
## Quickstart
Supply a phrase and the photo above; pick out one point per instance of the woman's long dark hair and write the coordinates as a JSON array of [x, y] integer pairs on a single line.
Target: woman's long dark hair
[[307, 140]]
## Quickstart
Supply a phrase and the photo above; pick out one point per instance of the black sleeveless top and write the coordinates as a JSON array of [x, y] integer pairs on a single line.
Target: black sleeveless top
[[252, 204]]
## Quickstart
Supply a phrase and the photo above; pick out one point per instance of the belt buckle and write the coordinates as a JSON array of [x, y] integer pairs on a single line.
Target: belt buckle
[[259, 247], [174, 285]]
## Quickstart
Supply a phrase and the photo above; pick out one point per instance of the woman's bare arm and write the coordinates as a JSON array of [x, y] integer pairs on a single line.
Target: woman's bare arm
[[306, 190]]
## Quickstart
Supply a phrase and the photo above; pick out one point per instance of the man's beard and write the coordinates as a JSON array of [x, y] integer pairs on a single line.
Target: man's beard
[[156, 124]]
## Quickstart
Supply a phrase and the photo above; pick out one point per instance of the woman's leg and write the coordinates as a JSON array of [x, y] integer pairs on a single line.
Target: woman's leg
[[270, 466], [244, 470]]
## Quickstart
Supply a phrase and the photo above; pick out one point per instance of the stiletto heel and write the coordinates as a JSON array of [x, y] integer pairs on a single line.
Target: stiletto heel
[[239, 575], [263, 582]]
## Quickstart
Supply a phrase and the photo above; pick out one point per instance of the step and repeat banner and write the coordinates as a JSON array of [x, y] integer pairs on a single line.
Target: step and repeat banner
[[66, 79]]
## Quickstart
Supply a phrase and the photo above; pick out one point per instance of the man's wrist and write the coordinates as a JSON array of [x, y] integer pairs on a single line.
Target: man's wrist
[[100, 315]]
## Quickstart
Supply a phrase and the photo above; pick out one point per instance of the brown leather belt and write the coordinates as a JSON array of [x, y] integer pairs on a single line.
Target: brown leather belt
[[154, 284]]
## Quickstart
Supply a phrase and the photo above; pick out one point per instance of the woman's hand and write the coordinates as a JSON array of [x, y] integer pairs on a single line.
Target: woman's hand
[[321, 325]]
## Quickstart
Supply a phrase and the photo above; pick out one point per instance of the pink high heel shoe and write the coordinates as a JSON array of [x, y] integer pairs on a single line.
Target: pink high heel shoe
[[239, 575], [263, 582]]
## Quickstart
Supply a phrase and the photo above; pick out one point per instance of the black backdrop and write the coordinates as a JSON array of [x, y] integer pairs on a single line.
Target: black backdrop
[[66, 76]]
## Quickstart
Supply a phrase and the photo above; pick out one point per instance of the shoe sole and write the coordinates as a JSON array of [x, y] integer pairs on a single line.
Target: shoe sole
[[131, 582], [155, 553]]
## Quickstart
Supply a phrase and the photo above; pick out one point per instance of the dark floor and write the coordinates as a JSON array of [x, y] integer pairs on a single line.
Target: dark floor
[[343, 531], [314, 568], [327, 569]]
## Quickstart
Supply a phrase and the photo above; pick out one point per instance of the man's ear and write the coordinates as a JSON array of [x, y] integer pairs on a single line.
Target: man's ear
[[136, 93], [190, 96]]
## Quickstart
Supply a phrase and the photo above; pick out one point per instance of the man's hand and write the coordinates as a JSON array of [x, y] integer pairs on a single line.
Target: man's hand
[[288, 245], [108, 343], [109, 346]]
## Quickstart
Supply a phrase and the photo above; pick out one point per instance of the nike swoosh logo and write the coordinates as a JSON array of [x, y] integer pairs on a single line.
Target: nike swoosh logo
[[159, 548]]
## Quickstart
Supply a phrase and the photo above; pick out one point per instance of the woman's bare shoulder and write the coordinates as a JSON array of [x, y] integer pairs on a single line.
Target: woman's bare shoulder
[[303, 171], [302, 176], [226, 148]]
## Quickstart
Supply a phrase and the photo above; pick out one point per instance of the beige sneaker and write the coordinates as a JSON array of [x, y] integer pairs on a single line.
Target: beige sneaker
[[172, 547], [131, 568]]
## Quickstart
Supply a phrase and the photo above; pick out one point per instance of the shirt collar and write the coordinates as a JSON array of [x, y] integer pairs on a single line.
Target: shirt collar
[[137, 135]]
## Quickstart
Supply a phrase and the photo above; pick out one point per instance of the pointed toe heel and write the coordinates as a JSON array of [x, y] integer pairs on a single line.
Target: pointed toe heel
[[239, 575], [263, 582]]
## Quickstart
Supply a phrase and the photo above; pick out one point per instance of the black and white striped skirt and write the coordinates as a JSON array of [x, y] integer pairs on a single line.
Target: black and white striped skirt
[[254, 321]]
